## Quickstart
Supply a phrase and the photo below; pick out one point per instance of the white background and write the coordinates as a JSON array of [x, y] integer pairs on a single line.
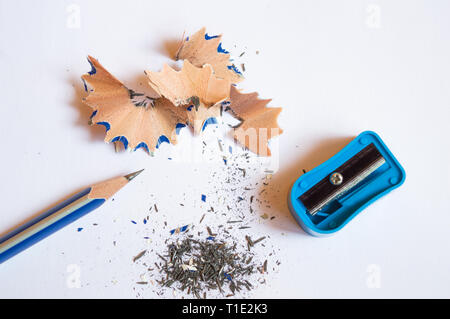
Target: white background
[[336, 67]]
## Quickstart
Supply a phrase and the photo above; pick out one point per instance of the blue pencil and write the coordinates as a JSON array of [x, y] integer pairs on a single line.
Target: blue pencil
[[59, 216]]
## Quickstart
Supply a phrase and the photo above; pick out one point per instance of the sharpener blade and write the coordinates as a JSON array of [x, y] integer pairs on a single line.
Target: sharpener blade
[[351, 173]]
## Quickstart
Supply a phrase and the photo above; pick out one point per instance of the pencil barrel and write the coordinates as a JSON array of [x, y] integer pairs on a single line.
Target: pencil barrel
[[47, 223]]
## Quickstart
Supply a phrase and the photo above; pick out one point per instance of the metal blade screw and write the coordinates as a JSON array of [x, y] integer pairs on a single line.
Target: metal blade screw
[[336, 179]]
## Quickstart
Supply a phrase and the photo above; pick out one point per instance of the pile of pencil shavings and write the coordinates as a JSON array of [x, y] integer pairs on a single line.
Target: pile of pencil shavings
[[195, 96]]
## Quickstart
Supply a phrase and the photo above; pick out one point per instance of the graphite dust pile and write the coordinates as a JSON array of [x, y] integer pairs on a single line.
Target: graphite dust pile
[[198, 266], [226, 252]]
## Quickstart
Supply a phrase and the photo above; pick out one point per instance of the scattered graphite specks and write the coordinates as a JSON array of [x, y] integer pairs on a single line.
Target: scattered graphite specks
[[138, 256], [239, 193]]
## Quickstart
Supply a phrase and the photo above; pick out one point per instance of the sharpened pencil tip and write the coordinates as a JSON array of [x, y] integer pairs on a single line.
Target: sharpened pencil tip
[[129, 177]]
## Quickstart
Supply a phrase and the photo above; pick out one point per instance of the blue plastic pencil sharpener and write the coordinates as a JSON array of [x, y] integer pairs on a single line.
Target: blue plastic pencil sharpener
[[325, 199]]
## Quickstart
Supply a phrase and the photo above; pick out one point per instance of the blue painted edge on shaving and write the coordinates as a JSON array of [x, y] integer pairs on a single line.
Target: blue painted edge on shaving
[[93, 69], [105, 124], [211, 120], [162, 139], [234, 68], [207, 37], [93, 114], [179, 127], [222, 50], [122, 139], [142, 145], [85, 85]]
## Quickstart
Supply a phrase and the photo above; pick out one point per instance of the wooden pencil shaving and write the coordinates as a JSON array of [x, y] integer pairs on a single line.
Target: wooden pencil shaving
[[245, 106], [197, 116], [259, 122], [140, 119], [197, 88], [191, 83], [201, 49], [193, 96]]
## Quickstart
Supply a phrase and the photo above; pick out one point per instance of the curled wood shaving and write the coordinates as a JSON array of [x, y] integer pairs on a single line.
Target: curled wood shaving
[[139, 119], [259, 122], [197, 90], [190, 84], [201, 49]]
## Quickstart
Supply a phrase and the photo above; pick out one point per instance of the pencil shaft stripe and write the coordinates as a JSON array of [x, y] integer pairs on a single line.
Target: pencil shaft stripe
[[37, 227], [45, 226], [44, 215]]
